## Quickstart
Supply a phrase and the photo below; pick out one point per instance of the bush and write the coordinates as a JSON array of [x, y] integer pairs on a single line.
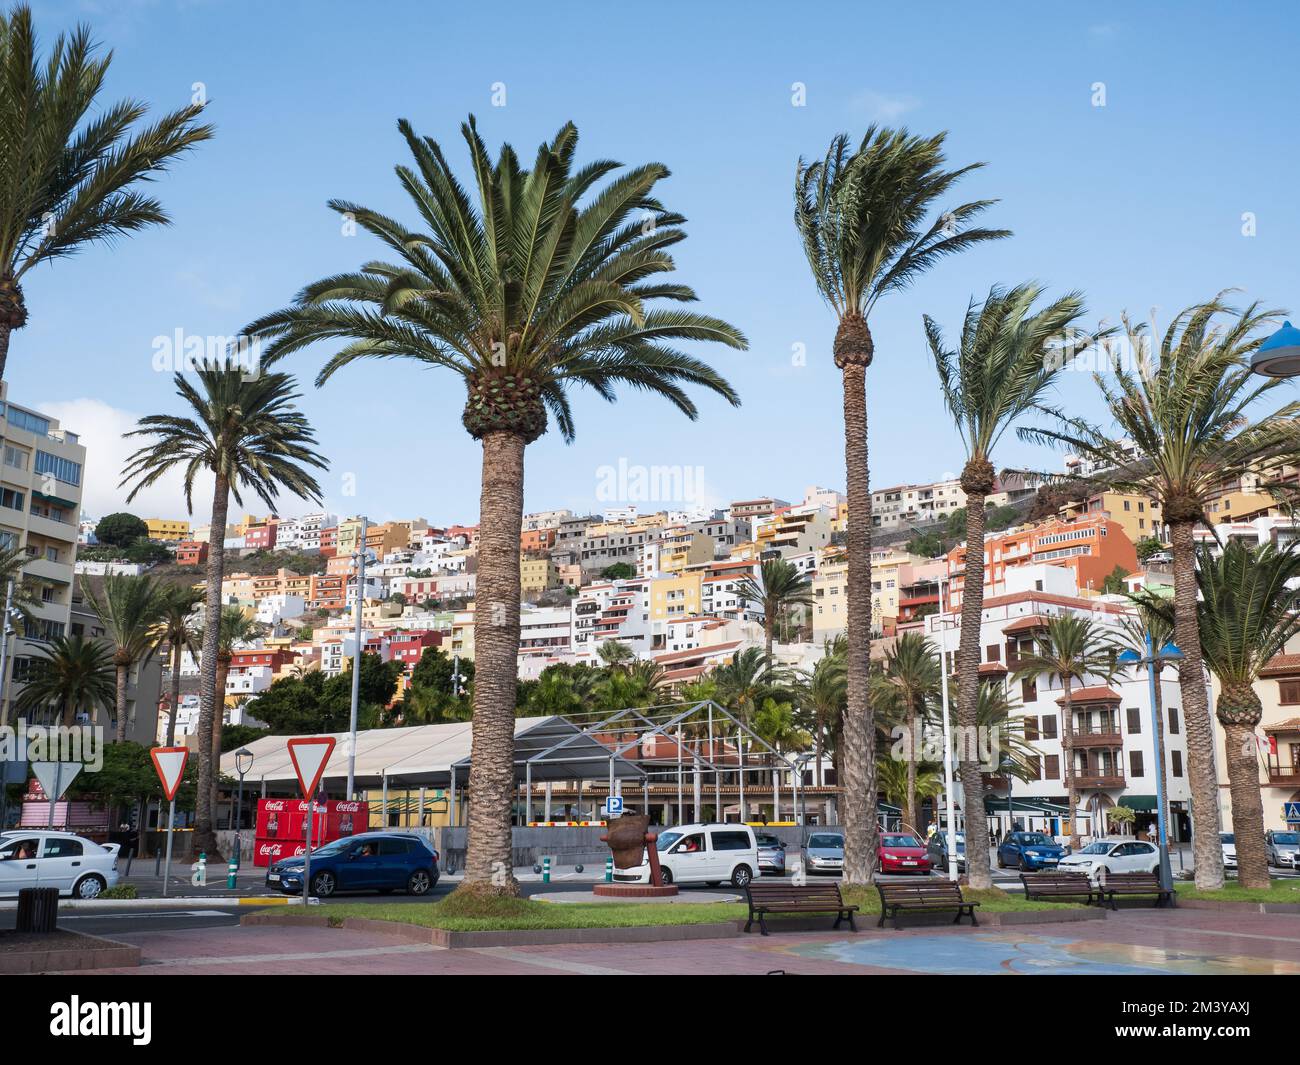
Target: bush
[[120, 891]]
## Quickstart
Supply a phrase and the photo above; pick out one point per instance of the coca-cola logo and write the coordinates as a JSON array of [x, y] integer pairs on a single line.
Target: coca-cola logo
[[348, 807], [269, 850], [300, 850], [273, 807]]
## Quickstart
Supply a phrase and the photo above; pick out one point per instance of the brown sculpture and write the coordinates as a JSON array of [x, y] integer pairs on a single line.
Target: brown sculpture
[[626, 838]]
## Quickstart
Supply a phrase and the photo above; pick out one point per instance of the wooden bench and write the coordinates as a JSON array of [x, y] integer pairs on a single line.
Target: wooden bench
[[1117, 884], [1058, 886], [931, 896], [767, 899]]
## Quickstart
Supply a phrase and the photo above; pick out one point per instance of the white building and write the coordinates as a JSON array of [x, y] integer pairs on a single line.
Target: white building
[[273, 609]]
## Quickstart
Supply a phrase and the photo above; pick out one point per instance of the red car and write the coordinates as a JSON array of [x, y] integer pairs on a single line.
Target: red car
[[901, 852]]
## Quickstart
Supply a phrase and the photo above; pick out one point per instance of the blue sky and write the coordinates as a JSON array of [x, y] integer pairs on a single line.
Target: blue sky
[[1138, 203]]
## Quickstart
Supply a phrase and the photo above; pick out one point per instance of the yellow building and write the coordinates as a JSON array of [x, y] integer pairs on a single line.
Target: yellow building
[[1137, 515], [830, 610], [166, 529], [681, 548], [381, 539], [537, 575], [1240, 506], [237, 586], [462, 633], [675, 597], [349, 535]]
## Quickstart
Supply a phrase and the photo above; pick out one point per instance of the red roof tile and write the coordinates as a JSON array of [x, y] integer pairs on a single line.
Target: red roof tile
[[1097, 694]]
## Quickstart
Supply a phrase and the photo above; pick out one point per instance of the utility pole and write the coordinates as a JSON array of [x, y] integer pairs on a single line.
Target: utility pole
[[359, 558]]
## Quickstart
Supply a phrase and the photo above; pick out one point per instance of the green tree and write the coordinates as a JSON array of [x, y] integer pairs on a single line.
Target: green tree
[[120, 529], [619, 571], [1146, 547], [1188, 407], [821, 692], [73, 674], [1007, 358], [903, 690], [235, 628], [175, 635], [541, 280], [779, 587], [71, 163], [1114, 582], [130, 610], [927, 544], [247, 433], [870, 225]]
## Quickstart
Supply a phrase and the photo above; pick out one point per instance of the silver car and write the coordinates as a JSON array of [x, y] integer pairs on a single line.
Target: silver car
[[1283, 848], [824, 853], [771, 854]]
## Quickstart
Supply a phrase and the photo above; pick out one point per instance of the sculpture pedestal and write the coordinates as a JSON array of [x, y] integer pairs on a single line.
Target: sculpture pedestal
[[634, 891]]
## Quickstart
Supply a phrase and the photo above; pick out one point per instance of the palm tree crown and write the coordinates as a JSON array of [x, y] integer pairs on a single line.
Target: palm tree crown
[[780, 585], [130, 609], [74, 674], [68, 161]]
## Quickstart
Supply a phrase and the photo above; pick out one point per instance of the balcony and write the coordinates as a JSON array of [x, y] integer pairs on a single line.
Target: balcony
[[1284, 776], [1097, 736], [1092, 780]]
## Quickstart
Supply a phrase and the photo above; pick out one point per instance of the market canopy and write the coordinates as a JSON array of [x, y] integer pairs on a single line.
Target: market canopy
[[427, 755]]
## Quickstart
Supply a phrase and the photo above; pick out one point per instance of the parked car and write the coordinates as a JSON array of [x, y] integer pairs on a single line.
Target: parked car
[[371, 861], [1114, 854], [1029, 851], [936, 848], [1283, 848], [901, 852], [710, 854], [78, 867], [824, 853], [771, 854], [1229, 844]]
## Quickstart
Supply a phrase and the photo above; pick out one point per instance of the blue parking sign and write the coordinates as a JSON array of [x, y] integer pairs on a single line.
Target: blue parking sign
[[614, 805]]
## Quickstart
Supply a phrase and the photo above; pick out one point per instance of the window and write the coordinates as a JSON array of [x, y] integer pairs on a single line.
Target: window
[[1031, 728], [1049, 726], [1028, 690], [51, 554], [62, 848], [1288, 692], [33, 423], [65, 470], [1052, 764], [1135, 764], [1173, 721], [1176, 762], [11, 499], [1035, 767], [994, 652], [390, 847], [15, 457], [1134, 721], [731, 841]]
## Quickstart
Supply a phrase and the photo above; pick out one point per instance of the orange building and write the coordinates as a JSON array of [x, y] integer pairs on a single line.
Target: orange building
[[191, 553], [533, 541], [1090, 547]]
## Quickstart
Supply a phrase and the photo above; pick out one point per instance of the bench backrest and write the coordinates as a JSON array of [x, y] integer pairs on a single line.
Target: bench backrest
[[1133, 879], [930, 891], [1054, 878], [826, 892]]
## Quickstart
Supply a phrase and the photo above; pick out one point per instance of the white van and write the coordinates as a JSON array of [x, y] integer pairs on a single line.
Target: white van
[[701, 854]]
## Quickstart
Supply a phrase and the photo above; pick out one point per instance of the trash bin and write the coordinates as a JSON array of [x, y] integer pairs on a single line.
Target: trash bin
[[38, 909]]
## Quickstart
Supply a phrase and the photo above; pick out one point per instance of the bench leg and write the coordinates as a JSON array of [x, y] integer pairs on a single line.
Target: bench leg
[[881, 922], [974, 921], [852, 923], [750, 923], [762, 924]]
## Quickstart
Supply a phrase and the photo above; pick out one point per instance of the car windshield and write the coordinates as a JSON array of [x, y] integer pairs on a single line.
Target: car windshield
[[666, 840], [899, 841], [1227, 837], [1097, 848], [828, 842], [1289, 839], [1034, 839]]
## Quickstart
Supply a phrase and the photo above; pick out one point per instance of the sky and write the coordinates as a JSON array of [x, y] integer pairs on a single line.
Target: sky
[[1143, 154]]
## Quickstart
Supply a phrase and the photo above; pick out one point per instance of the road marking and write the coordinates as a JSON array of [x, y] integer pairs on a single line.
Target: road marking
[[582, 968], [146, 913], [240, 959]]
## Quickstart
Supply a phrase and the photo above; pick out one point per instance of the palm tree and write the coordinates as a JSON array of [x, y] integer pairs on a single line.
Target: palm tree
[[235, 628], [1007, 357], [862, 217], [615, 654], [910, 678], [1250, 609], [1072, 647], [24, 598], [1152, 620], [175, 632], [130, 610], [247, 433], [75, 674], [822, 693], [779, 587], [1186, 409], [546, 280], [68, 161], [777, 724], [743, 682]]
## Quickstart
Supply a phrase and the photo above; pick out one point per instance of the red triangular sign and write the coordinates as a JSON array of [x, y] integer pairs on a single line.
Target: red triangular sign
[[309, 755], [170, 765]]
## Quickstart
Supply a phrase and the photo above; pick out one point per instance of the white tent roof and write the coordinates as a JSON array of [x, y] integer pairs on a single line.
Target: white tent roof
[[427, 754]]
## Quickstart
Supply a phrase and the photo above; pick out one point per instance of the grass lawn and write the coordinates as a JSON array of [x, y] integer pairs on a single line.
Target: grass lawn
[[1277, 891], [480, 915]]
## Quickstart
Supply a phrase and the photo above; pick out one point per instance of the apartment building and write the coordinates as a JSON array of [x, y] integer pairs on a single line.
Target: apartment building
[[1091, 548], [545, 632], [793, 533], [262, 535], [546, 519], [905, 505], [673, 550], [537, 575], [755, 510], [606, 543], [167, 530], [191, 553], [281, 582], [143, 680], [1137, 515], [612, 610], [535, 541]]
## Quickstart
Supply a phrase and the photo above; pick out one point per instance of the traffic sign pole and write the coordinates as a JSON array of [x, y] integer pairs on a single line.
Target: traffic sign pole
[[306, 858], [171, 831], [169, 764], [309, 755]]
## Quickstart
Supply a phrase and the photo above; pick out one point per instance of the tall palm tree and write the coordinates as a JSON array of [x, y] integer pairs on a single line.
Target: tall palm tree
[[779, 587], [1153, 620], [911, 676], [175, 634], [615, 654], [1186, 406], [1072, 647], [534, 282], [74, 674], [246, 432], [1006, 360], [743, 682], [821, 692], [235, 628], [69, 162], [1250, 609], [130, 609], [25, 597], [869, 226]]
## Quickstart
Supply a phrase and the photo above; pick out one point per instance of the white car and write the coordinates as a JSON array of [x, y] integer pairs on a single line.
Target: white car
[[1114, 854], [701, 854], [1229, 844], [78, 867]]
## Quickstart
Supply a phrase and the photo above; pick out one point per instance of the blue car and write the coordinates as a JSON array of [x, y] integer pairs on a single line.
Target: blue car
[[1029, 851], [372, 861]]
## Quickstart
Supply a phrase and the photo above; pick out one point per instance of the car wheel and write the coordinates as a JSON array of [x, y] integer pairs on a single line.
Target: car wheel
[[1024, 864], [1001, 863], [665, 874], [323, 884], [419, 883], [89, 887], [741, 876]]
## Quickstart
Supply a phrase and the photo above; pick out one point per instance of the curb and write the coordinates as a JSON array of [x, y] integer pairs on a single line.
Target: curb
[[180, 902], [1238, 906], [95, 953]]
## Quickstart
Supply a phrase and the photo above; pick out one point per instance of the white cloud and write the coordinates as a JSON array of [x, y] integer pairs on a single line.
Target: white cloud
[[879, 107]]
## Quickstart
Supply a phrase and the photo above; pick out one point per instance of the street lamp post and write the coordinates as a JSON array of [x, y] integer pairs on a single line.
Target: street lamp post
[[950, 834], [1153, 661], [359, 563], [243, 763]]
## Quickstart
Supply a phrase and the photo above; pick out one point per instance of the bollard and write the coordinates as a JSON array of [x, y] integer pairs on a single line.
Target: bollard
[[232, 871], [546, 869], [609, 869]]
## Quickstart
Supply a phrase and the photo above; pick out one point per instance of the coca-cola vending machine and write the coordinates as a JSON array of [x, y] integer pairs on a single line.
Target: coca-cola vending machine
[[282, 825]]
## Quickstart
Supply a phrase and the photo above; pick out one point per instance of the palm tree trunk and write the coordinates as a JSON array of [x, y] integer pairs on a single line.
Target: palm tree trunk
[[857, 758], [177, 651], [968, 694], [218, 718], [205, 838], [819, 747], [488, 865], [1240, 712], [1207, 854], [767, 635], [123, 674], [912, 754], [5, 331], [1067, 751]]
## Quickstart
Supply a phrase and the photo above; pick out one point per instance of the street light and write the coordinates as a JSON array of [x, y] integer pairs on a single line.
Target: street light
[[951, 832], [243, 763], [1153, 660], [359, 568], [1279, 355]]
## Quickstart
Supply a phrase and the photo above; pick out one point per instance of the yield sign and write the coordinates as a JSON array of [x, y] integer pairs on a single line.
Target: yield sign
[[170, 764], [309, 755], [55, 777]]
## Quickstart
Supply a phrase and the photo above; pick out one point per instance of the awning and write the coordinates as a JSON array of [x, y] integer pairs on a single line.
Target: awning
[[1140, 803], [998, 804], [67, 504]]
